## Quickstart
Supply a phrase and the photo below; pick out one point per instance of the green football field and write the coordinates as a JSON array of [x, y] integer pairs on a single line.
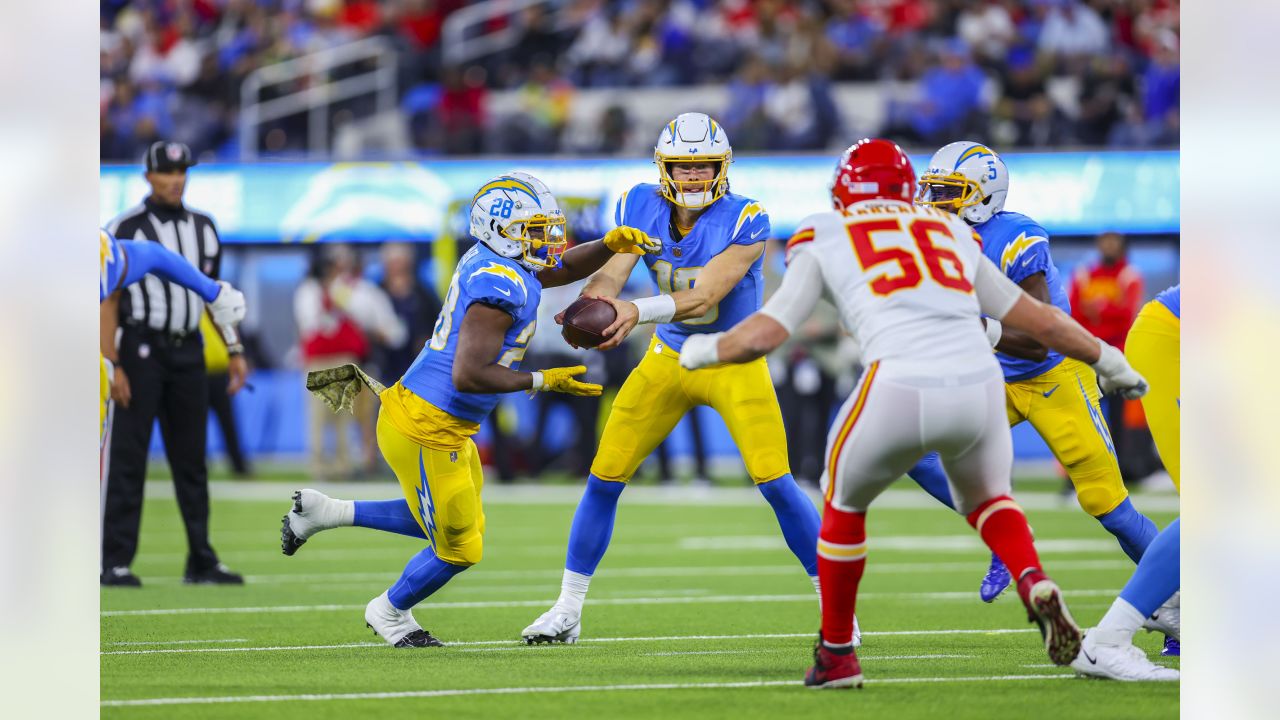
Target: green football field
[[698, 610]]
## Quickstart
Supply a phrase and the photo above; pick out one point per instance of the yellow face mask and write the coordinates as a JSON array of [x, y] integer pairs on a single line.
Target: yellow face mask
[[951, 193], [693, 194], [542, 238]]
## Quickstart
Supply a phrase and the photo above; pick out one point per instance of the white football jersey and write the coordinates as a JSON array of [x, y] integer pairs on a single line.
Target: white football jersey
[[902, 278]]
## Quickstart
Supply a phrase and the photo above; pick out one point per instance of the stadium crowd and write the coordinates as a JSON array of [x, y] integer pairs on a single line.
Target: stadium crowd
[[1026, 73]]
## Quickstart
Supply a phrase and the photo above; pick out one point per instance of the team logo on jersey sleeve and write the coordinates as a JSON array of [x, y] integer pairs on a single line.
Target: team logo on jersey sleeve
[[502, 271], [1015, 249], [749, 211]]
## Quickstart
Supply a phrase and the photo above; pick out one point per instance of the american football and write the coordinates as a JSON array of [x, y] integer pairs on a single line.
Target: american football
[[585, 321]]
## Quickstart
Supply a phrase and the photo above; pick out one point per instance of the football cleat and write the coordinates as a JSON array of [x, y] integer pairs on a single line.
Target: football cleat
[[217, 575], [1167, 618], [1047, 609], [396, 626], [833, 670], [996, 581], [1172, 648], [1116, 658], [312, 512], [555, 625], [120, 576]]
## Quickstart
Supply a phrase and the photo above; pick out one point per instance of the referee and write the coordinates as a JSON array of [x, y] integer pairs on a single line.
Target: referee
[[160, 374]]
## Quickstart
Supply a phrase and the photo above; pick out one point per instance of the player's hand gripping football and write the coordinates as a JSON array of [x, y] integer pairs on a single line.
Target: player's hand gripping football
[[628, 240], [628, 316], [1115, 374], [562, 380]]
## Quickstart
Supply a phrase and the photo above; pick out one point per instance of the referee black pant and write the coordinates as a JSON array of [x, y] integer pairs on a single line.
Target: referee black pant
[[167, 382]]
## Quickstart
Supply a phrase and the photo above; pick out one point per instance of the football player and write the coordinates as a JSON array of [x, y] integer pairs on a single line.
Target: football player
[[911, 282], [1150, 598], [709, 277], [1058, 395], [427, 418], [125, 262]]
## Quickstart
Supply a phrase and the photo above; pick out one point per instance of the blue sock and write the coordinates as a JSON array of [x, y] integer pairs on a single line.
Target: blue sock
[[1134, 530], [424, 575], [797, 517], [928, 474], [389, 515], [593, 525], [1158, 576]]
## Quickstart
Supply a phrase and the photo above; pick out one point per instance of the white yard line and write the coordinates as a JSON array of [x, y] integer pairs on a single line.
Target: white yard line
[[178, 642], [517, 644], [540, 690], [655, 600]]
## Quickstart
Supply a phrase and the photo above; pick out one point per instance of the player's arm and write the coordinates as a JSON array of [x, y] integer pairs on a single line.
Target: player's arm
[[766, 330], [143, 256], [583, 260], [476, 368], [611, 278], [714, 282], [108, 321], [1000, 298], [1017, 343]]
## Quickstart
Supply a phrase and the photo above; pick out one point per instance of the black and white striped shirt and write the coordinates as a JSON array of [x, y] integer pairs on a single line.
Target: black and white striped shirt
[[154, 303]]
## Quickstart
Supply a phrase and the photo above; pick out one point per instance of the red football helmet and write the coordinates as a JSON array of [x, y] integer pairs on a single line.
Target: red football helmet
[[872, 168]]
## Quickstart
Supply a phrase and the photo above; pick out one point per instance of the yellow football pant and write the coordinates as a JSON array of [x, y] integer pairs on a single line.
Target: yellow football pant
[[443, 489], [1153, 348], [1062, 405], [659, 392]]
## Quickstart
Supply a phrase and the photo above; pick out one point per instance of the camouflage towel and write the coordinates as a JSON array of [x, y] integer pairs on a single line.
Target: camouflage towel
[[338, 386]]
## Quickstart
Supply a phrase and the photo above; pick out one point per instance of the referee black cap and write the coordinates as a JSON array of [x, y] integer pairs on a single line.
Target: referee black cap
[[168, 156]]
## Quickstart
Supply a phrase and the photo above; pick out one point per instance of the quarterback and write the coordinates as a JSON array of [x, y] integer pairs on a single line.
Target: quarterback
[[1058, 395], [427, 418], [709, 277], [910, 283]]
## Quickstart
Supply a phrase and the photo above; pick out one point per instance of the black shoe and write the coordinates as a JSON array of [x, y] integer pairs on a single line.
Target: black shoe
[[119, 577], [217, 575], [419, 638]]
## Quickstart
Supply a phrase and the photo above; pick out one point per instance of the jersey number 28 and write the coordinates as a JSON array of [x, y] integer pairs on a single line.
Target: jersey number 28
[[942, 264]]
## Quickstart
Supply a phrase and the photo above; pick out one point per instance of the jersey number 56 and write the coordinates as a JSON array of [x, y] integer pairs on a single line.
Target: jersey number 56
[[942, 264]]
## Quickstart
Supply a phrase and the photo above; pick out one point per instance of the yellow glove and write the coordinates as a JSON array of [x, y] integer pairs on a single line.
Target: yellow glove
[[561, 380], [631, 241]]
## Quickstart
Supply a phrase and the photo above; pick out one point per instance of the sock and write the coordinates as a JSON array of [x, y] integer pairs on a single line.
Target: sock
[[842, 556], [1158, 575], [930, 476], [424, 575], [797, 517], [1004, 529], [573, 591], [1119, 624], [592, 525], [1134, 530], [390, 515]]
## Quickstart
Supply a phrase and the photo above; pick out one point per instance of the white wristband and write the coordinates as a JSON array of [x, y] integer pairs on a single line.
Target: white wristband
[[994, 330], [656, 309], [537, 381]]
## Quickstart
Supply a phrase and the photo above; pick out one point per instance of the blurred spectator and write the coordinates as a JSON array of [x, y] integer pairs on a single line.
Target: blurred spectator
[[1024, 112], [1072, 29], [462, 111], [598, 57], [801, 110], [858, 41], [950, 100], [988, 28], [544, 103], [340, 315], [416, 305], [1107, 94]]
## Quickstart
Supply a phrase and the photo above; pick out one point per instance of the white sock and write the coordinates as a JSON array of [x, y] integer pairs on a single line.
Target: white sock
[[343, 512], [817, 584], [1119, 624], [573, 591]]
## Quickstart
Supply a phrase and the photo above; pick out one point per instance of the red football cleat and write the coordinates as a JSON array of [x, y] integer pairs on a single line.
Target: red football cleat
[[833, 671], [1047, 609]]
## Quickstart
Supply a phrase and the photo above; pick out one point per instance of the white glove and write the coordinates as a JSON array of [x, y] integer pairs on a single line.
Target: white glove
[[228, 308], [700, 351], [1115, 374]]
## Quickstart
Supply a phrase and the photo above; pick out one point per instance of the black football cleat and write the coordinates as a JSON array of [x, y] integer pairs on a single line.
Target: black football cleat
[[217, 575], [119, 577], [418, 639]]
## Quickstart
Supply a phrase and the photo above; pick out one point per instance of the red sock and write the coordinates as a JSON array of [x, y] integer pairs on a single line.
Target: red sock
[[1004, 529], [842, 555]]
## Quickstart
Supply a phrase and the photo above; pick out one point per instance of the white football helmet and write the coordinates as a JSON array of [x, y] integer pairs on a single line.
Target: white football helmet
[[693, 137], [965, 178], [517, 217]]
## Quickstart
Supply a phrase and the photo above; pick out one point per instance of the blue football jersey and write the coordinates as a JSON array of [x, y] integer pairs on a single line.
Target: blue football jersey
[[1172, 299], [1020, 248], [731, 220], [110, 265], [487, 277]]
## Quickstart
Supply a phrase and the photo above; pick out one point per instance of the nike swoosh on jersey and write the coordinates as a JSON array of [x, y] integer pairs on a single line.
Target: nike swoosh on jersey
[[506, 292], [1051, 391]]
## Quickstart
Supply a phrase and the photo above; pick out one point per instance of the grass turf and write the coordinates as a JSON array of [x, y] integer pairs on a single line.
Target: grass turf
[[675, 568]]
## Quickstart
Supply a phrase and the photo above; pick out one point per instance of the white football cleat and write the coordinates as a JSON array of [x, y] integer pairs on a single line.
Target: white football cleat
[[1167, 618], [1118, 659], [558, 624], [312, 512], [396, 626]]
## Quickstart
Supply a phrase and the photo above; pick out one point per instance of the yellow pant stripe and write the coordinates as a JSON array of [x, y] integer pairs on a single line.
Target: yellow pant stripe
[[847, 427], [994, 508]]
